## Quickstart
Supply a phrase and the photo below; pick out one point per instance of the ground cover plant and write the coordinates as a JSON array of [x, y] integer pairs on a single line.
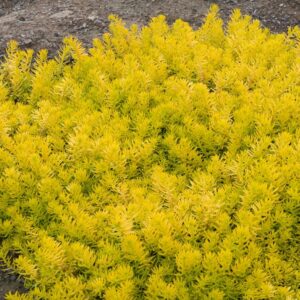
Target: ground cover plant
[[162, 164]]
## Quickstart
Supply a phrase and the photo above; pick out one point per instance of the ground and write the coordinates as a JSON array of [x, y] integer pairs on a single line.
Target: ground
[[10, 282], [43, 23]]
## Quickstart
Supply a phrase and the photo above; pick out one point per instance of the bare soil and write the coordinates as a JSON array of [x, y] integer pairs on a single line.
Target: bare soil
[[9, 282], [41, 24]]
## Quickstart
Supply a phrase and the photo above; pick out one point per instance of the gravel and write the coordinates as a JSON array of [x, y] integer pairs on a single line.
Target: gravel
[[41, 24]]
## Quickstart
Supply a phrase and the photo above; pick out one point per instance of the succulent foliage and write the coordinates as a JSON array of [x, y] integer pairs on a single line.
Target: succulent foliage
[[164, 163]]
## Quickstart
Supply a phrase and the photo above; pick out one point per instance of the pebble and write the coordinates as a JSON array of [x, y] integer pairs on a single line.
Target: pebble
[[13, 277], [27, 42], [92, 18], [62, 14]]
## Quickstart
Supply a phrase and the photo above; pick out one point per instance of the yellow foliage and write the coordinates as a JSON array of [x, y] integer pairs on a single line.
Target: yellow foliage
[[162, 163]]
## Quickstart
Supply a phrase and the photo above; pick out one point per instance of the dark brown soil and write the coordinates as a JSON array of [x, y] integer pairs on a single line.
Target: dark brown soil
[[43, 23], [9, 282]]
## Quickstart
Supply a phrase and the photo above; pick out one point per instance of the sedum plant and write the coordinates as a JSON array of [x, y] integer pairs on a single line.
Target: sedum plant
[[161, 164]]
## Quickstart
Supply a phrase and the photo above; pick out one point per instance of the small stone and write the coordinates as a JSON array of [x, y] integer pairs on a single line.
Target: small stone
[[92, 18], [27, 41], [62, 14], [13, 277]]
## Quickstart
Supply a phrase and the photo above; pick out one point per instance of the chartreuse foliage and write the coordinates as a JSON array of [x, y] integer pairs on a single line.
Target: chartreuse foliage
[[163, 164]]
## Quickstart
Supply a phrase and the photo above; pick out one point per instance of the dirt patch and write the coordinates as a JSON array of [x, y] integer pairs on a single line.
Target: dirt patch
[[43, 23], [9, 282]]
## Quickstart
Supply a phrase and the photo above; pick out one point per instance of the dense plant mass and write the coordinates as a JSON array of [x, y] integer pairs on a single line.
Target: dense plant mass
[[163, 164]]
